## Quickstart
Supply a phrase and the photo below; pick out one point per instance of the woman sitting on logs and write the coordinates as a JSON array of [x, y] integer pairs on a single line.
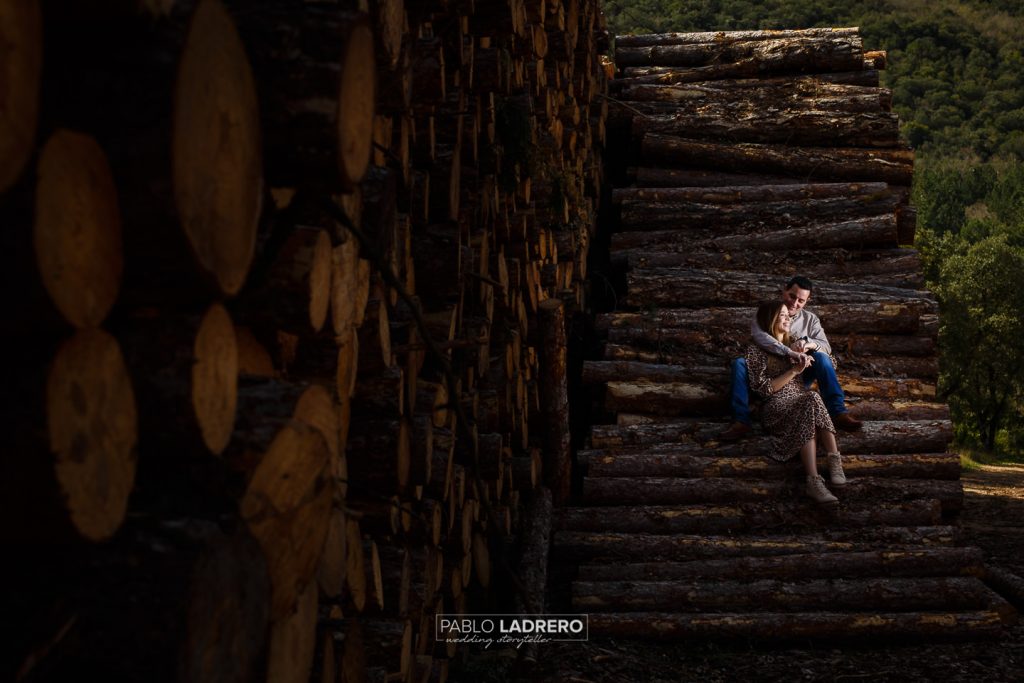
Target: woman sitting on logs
[[793, 414]]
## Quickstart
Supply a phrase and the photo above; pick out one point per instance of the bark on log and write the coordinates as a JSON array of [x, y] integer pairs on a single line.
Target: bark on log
[[554, 401], [837, 319], [686, 177], [21, 29], [379, 455], [669, 287], [961, 593], [749, 94], [187, 372], [911, 465], [890, 267], [575, 545], [317, 103], [295, 294], [228, 613], [902, 562], [669, 75], [875, 437], [646, 213], [770, 55], [676, 350], [820, 625], [715, 38], [810, 163], [71, 463], [809, 128], [767, 232], [747, 517], [748, 194], [672, 491]]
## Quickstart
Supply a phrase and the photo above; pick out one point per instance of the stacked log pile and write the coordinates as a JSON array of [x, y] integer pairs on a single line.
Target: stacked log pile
[[297, 280], [755, 156]]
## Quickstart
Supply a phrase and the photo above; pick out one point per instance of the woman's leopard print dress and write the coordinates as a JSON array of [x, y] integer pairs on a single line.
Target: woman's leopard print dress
[[792, 414]]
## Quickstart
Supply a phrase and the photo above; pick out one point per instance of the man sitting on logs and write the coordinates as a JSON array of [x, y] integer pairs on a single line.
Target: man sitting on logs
[[809, 340]]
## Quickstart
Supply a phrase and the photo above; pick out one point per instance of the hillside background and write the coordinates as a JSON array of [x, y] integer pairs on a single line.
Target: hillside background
[[956, 70]]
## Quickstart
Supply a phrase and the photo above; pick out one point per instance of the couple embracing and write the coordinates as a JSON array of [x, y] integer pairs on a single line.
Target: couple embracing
[[790, 351]]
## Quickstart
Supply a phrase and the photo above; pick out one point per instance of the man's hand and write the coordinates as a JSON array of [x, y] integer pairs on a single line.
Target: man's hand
[[804, 346]]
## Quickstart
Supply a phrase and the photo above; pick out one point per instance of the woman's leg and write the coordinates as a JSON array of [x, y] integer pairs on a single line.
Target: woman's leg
[[828, 440], [809, 457], [815, 486], [835, 461]]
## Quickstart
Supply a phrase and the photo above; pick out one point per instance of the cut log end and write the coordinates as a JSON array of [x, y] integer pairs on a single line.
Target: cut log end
[[77, 231], [21, 36], [216, 148], [320, 280], [215, 378], [91, 419], [356, 96]]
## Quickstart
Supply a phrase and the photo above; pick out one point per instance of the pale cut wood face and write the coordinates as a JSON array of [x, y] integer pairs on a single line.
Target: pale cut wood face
[[217, 149], [77, 228], [21, 61], [92, 426]]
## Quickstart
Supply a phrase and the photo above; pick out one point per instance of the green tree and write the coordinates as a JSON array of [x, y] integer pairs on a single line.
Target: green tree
[[982, 337]]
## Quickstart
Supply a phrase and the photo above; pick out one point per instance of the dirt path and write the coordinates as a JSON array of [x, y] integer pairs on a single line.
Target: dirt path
[[993, 516], [993, 519]]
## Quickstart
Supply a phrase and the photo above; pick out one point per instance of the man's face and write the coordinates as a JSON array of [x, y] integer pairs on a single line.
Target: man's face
[[795, 298]]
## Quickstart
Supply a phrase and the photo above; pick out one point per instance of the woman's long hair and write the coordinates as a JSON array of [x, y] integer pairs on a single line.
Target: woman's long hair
[[768, 316]]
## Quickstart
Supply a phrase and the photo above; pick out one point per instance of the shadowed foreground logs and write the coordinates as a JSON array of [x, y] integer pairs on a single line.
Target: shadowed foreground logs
[[77, 230], [775, 626], [72, 464], [187, 373], [21, 34]]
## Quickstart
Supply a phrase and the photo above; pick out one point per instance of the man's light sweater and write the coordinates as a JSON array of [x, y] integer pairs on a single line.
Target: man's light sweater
[[805, 324]]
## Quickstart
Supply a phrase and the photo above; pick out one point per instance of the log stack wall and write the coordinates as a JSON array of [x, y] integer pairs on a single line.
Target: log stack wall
[[742, 159], [298, 277]]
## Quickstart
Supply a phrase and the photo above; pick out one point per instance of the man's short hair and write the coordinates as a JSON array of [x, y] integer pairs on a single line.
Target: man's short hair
[[801, 282]]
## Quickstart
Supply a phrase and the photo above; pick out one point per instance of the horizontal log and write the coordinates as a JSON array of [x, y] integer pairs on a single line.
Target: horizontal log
[[763, 234], [910, 436], [889, 267], [910, 465], [803, 54], [744, 95], [745, 517], [817, 625], [911, 562], [894, 166], [825, 128], [745, 194], [875, 366], [648, 176], [754, 216], [675, 491], [672, 287], [704, 395], [673, 75], [959, 593], [882, 318], [715, 38], [577, 545]]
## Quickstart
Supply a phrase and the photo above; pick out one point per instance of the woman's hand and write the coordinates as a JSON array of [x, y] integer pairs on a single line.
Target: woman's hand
[[804, 361]]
